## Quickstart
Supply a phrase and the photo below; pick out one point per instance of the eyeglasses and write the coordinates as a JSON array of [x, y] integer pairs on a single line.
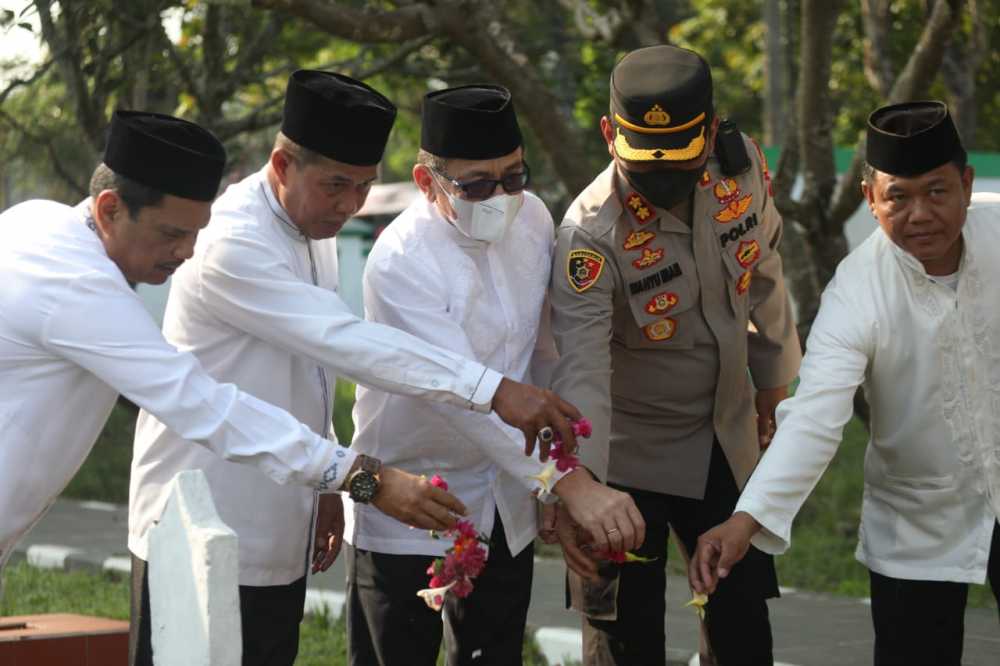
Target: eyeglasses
[[483, 188]]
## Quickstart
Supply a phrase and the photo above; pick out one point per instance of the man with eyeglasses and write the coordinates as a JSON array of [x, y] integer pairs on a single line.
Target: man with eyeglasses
[[466, 265], [257, 305]]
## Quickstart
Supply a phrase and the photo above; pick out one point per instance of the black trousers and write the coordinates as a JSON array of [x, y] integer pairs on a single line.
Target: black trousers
[[389, 625], [270, 621], [739, 629], [922, 622]]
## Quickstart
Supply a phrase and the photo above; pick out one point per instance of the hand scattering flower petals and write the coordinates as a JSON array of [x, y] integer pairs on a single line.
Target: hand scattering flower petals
[[438, 482], [563, 461]]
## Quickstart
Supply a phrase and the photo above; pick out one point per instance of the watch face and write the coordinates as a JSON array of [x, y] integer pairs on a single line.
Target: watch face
[[363, 486]]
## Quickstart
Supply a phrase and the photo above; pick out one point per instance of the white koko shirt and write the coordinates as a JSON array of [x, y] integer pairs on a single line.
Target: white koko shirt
[[929, 359], [257, 305], [484, 301], [73, 335]]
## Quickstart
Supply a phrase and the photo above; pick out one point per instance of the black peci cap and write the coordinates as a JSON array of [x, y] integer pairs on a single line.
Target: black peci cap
[[912, 138], [337, 117], [474, 122], [661, 105], [164, 153]]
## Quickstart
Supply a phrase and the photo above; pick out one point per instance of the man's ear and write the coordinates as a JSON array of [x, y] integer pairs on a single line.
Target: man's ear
[[108, 209], [424, 181], [608, 132], [968, 175], [869, 194], [280, 161]]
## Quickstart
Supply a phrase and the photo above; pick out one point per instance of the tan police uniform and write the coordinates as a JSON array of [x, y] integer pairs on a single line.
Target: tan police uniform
[[664, 326], [651, 317]]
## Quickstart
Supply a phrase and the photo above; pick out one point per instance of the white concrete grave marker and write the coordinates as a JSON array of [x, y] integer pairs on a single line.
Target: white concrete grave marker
[[193, 580]]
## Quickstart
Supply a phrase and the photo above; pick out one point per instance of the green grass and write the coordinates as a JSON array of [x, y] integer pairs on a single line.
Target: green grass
[[28, 590], [323, 640], [104, 475]]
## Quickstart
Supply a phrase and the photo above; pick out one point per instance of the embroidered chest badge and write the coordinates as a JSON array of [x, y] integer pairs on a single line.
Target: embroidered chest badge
[[733, 205], [747, 253], [744, 282], [583, 267], [637, 239], [640, 209], [649, 258], [661, 303], [661, 330]]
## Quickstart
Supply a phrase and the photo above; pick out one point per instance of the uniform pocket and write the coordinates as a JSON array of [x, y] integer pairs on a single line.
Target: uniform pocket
[[658, 300]]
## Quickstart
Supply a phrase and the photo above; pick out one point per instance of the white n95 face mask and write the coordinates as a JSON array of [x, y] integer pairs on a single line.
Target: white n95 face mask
[[485, 220]]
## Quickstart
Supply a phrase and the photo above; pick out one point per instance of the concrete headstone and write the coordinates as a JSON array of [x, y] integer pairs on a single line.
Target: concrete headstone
[[193, 580]]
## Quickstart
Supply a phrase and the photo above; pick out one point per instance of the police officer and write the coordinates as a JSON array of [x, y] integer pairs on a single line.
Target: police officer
[[666, 290]]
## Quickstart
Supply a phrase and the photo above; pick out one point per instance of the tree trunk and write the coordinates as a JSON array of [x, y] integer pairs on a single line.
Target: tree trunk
[[775, 73], [960, 65]]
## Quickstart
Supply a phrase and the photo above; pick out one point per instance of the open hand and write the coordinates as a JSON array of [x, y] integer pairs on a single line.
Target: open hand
[[718, 550], [415, 501], [609, 516], [329, 531], [529, 409]]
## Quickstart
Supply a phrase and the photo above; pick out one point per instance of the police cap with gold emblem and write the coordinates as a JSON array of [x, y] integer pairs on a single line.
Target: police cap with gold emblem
[[661, 104], [166, 154], [337, 117], [475, 122], [912, 138]]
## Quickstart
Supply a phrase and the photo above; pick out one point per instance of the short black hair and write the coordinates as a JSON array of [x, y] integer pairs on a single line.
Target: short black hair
[[135, 196], [960, 161]]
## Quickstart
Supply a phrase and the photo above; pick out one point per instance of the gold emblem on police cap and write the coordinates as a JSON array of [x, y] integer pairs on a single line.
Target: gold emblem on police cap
[[656, 116]]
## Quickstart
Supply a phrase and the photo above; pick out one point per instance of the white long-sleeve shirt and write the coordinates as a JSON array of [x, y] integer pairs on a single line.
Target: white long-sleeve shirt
[[257, 305], [929, 359], [485, 301], [73, 335]]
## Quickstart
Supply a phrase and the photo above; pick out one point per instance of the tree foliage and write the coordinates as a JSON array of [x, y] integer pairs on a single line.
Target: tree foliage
[[224, 63]]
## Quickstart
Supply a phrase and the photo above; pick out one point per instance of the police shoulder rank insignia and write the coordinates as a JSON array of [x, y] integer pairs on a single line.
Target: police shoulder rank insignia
[[661, 330], [583, 267], [640, 209], [648, 258], [747, 253], [744, 282], [637, 239], [728, 194], [726, 190], [661, 303], [734, 209]]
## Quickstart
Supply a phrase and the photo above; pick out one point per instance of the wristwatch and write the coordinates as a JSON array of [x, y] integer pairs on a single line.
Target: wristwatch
[[363, 483]]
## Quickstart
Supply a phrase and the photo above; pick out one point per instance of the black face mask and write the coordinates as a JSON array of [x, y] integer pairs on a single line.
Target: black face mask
[[664, 188]]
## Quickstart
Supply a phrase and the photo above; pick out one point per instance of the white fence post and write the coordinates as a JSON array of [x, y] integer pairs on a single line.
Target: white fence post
[[194, 580]]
